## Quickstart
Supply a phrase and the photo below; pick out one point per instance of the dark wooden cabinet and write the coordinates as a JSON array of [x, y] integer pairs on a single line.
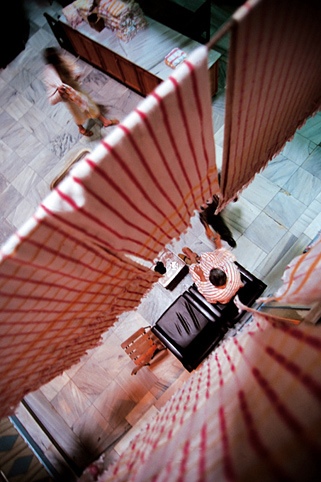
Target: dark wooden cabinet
[[139, 65], [110, 63], [122, 69], [92, 50], [130, 74], [148, 81], [83, 46]]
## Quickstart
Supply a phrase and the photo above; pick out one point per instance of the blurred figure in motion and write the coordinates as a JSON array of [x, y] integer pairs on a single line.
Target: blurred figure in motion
[[61, 77]]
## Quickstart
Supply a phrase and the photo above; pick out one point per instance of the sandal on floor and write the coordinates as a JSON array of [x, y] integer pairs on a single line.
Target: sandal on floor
[[86, 132], [186, 260], [112, 122], [189, 253]]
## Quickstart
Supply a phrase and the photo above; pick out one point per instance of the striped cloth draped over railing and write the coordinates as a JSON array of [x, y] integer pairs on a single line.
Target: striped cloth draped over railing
[[64, 277], [140, 187], [302, 277], [273, 84], [301, 287], [59, 293], [252, 411]]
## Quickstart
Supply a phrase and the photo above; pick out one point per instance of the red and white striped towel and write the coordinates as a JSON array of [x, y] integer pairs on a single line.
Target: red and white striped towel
[[140, 187], [273, 84], [301, 279], [252, 411], [64, 277], [58, 293], [175, 58]]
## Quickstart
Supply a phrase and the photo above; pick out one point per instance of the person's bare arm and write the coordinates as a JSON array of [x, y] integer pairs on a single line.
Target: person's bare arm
[[62, 92], [199, 272]]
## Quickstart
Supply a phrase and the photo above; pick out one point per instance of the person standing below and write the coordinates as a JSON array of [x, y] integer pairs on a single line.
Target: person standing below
[[215, 274], [61, 80]]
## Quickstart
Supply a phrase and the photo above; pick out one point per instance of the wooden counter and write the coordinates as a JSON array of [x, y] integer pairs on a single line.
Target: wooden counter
[[139, 63]]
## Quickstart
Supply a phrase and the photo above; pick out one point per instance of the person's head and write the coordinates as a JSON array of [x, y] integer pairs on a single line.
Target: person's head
[[217, 277], [51, 56]]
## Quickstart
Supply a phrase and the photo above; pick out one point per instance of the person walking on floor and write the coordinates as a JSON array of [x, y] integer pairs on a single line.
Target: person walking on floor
[[61, 80]]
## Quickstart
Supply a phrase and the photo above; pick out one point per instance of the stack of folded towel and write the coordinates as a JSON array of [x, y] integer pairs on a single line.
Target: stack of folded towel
[[72, 14], [83, 7], [125, 18], [175, 57]]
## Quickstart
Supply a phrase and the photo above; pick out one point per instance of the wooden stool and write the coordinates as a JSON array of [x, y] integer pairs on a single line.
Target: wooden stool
[[141, 347]]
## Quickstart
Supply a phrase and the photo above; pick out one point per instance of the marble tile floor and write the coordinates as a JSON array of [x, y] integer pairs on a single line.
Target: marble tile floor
[[96, 406]]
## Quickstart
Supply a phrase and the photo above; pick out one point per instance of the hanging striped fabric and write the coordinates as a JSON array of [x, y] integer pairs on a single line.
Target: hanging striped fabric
[[147, 178], [252, 411], [58, 294], [64, 277], [273, 84], [301, 279]]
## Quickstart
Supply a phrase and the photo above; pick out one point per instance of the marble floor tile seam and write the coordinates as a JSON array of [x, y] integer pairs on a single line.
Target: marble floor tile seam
[[9, 199], [303, 186], [312, 129], [19, 107], [257, 231], [285, 218], [313, 163], [279, 170], [284, 209], [92, 379], [6, 123], [307, 219], [52, 388], [19, 74], [280, 250], [114, 406], [299, 148], [70, 403], [274, 271], [7, 95], [20, 63], [314, 228]]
